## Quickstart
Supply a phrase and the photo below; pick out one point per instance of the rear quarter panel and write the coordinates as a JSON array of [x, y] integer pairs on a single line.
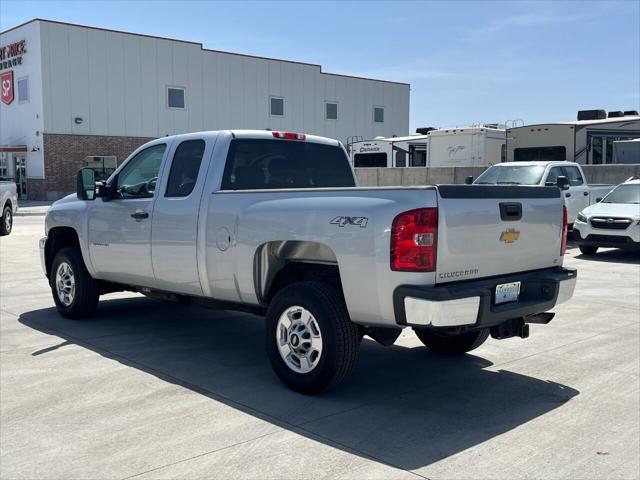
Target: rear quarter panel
[[362, 253]]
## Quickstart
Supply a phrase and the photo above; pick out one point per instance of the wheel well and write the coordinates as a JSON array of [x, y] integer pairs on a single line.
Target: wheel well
[[59, 237], [280, 263], [294, 272], [8, 204]]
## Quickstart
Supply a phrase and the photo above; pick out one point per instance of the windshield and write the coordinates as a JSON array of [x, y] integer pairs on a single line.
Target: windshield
[[624, 194], [512, 175]]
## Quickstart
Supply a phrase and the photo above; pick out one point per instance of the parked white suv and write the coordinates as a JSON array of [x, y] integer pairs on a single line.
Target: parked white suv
[[614, 222]]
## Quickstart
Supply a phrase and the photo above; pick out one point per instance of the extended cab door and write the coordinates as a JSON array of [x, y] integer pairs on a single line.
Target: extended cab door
[[579, 191], [176, 217], [119, 229]]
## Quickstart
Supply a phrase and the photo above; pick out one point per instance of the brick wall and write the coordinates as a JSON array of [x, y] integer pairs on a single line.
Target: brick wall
[[64, 155]]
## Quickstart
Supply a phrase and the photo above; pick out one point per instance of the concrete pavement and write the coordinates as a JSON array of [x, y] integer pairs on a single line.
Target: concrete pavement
[[158, 390]]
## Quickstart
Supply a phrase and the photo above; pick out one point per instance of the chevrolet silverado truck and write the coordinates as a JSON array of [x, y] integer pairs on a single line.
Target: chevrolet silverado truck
[[273, 223], [566, 175], [9, 204]]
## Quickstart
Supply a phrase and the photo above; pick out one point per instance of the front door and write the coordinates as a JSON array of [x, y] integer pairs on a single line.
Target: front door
[[579, 192], [120, 229], [20, 169]]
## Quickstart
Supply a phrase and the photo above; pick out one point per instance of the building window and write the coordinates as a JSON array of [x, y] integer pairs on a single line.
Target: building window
[[176, 97], [331, 111], [23, 90], [276, 106], [4, 166], [378, 114]]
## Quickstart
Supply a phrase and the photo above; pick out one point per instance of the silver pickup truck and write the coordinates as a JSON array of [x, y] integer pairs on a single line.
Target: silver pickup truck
[[9, 205], [273, 223]]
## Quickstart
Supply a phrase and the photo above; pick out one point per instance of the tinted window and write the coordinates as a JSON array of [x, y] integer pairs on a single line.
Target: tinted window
[[573, 174], [258, 163], [542, 154], [175, 97], [378, 114], [511, 175], [184, 168], [624, 194], [331, 111], [277, 106], [138, 177], [370, 160], [554, 173]]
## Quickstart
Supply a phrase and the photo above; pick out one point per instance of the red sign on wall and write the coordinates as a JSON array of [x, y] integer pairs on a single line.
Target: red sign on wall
[[6, 86]]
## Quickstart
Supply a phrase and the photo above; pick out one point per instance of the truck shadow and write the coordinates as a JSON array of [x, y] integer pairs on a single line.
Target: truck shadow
[[403, 406]]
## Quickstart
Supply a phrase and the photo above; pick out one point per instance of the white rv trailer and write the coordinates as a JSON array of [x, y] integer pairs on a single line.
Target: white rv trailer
[[473, 146], [582, 141], [410, 151]]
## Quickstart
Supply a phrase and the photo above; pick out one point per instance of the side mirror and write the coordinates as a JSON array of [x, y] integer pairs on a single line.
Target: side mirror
[[562, 183], [468, 180], [86, 184]]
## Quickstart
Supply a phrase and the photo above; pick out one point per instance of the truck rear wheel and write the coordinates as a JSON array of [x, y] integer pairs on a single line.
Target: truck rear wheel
[[311, 342], [588, 249], [6, 223], [452, 344], [75, 292]]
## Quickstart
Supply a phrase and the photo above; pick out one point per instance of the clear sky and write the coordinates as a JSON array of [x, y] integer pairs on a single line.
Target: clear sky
[[466, 61]]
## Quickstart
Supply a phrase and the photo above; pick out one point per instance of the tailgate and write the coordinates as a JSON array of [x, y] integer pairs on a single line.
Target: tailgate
[[485, 231]]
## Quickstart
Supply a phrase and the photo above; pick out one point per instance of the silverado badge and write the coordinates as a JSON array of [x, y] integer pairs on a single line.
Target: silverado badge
[[510, 235]]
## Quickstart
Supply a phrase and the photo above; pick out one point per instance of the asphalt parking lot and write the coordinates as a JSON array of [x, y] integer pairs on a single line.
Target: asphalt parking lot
[[155, 390]]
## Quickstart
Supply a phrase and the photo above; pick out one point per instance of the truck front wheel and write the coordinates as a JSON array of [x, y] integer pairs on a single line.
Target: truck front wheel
[[311, 342], [452, 344], [6, 223], [74, 291]]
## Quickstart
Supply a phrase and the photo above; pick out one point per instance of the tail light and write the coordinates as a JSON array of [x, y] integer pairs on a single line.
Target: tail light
[[289, 135], [565, 230], [414, 236]]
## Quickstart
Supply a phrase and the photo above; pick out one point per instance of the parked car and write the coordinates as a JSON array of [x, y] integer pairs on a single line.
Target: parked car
[[613, 222], [272, 223], [9, 202], [578, 193]]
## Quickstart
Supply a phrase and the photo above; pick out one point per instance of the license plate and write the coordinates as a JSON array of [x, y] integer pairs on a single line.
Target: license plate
[[507, 292]]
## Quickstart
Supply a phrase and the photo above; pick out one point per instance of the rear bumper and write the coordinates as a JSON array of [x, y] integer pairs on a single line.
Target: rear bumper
[[471, 303]]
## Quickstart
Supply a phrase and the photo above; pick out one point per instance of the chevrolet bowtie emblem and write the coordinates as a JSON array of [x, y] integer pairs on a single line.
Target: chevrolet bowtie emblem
[[510, 235]]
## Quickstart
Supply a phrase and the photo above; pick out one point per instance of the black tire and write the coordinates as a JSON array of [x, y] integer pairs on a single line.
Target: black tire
[[452, 344], [588, 249], [6, 223], [85, 298], [340, 336]]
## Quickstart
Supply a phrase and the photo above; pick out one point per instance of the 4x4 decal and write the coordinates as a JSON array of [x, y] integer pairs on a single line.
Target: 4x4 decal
[[343, 221]]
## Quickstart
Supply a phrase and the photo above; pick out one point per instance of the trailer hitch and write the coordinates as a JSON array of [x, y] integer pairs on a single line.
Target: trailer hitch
[[516, 327]]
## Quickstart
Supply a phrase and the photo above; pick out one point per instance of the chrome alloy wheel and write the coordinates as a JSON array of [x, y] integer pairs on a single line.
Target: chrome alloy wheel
[[65, 284], [299, 339], [8, 220]]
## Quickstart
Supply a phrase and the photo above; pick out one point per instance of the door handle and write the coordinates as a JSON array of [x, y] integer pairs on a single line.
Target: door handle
[[567, 195], [140, 215], [586, 194]]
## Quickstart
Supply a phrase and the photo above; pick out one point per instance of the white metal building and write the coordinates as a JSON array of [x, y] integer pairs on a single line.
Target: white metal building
[[81, 92]]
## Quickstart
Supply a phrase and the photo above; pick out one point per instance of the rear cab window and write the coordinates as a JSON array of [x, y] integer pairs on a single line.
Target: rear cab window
[[254, 164]]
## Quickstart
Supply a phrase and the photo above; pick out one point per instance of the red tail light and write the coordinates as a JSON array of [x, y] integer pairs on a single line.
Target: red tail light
[[565, 230], [289, 135], [414, 236]]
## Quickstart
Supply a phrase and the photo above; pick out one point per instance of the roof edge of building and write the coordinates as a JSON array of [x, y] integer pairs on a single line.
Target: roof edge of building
[[124, 32]]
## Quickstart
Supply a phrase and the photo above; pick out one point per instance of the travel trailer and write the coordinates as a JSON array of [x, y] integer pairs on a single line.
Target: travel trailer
[[589, 140], [473, 146], [448, 147], [410, 151]]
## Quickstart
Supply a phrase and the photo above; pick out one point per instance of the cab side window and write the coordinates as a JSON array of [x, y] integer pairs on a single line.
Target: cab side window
[[554, 173], [139, 176], [185, 168], [574, 176]]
